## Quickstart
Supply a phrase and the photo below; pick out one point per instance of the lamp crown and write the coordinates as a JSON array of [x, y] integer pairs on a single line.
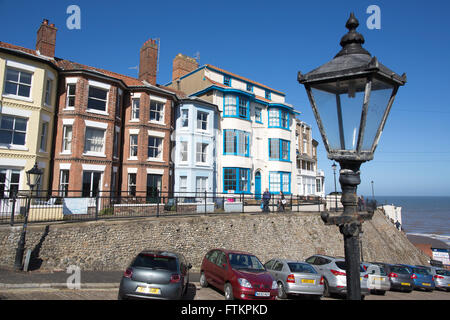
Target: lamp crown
[[352, 41]]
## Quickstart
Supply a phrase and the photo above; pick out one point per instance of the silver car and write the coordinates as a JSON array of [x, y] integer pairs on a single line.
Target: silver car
[[294, 277], [441, 278], [378, 280], [333, 271]]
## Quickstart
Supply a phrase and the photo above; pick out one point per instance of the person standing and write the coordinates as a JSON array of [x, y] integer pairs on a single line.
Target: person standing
[[266, 199], [281, 202]]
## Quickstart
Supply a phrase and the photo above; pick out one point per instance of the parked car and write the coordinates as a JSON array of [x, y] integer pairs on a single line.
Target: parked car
[[378, 280], [294, 277], [399, 277], [155, 274], [422, 277], [441, 278], [238, 274], [333, 271]]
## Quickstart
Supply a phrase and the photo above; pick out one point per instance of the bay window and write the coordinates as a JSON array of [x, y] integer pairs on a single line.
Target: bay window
[[236, 142], [236, 180]]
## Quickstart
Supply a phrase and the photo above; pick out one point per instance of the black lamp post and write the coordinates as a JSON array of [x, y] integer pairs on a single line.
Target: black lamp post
[[335, 189], [351, 97], [33, 179]]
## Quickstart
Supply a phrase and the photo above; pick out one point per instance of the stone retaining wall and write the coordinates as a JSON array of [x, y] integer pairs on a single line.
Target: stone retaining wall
[[110, 245]]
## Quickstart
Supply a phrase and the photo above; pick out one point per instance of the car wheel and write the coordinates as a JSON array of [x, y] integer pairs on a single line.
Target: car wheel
[[203, 281], [228, 292], [281, 291], [326, 288]]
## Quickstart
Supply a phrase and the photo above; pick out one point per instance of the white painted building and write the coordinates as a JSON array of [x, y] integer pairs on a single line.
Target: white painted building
[[256, 145]]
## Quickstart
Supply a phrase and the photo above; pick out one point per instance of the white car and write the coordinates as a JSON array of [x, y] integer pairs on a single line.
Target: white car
[[378, 280]]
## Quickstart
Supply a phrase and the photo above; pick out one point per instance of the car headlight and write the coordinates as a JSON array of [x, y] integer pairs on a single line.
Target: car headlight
[[244, 283], [274, 285]]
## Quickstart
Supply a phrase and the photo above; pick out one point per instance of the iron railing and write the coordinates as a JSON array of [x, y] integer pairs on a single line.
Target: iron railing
[[77, 206]]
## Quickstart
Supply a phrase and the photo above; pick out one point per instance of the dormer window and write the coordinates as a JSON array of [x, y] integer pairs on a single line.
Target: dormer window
[[227, 81]]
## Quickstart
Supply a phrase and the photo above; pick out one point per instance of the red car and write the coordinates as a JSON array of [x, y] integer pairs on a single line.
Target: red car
[[238, 274]]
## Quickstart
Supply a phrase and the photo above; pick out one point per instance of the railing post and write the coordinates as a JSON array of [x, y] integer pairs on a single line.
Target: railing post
[[298, 203], [13, 210], [205, 201], [96, 206], [157, 202]]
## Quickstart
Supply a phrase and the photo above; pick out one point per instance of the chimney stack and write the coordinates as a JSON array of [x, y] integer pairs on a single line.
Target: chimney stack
[[46, 39], [148, 61], [182, 65]]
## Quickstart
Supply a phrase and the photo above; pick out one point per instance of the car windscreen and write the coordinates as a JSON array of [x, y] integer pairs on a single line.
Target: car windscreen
[[300, 267], [376, 269], [400, 270], [421, 271], [442, 272], [342, 265], [155, 262], [241, 261]]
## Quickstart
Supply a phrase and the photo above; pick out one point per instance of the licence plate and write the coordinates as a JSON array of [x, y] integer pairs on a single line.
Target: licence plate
[[148, 290], [377, 279], [426, 284], [262, 294], [308, 281], [405, 284]]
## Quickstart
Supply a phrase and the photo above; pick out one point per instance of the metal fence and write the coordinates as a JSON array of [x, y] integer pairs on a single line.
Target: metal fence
[[82, 207]]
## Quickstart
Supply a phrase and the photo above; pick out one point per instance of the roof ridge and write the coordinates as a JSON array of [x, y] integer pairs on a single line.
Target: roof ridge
[[243, 78]]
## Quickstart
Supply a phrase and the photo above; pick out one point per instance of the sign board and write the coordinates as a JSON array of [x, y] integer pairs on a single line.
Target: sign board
[[76, 205], [441, 255]]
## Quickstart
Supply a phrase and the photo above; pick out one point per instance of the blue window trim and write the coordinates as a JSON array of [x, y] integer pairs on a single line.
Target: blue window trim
[[238, 97], [260, 115], [237, 175], [236, 153], [281, 173], [280, 150], [280, 111]]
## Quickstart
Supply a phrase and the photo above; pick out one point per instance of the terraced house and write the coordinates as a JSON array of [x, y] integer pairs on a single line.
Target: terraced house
[[256, 144], [28, 84]]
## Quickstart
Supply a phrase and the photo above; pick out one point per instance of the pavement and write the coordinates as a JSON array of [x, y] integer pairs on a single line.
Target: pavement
[[11, 279]]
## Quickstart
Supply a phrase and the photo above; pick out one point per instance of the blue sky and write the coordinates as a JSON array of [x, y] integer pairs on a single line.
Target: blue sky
[[268, 42]]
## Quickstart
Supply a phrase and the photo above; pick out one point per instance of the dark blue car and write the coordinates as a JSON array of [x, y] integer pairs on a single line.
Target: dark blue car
[[422, 278]]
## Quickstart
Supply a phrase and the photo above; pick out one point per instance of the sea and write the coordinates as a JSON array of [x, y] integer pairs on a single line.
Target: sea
[[426, 216]]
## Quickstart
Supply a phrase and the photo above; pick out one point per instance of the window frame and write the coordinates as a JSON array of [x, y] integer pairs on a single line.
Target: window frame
[[14, 131], [280, 183], [157, 147], [159, 105], [94, 153], [18, 83], [237, 136], [275, 118], [280, 150], [135, 109], [236, 180], [69, 96], [134, 146], [94, 110]]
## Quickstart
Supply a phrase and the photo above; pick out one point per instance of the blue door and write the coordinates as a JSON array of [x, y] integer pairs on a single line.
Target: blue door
[[258, 185]]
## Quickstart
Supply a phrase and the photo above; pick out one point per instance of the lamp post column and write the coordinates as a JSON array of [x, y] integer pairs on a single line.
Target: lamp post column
[[350, 226]]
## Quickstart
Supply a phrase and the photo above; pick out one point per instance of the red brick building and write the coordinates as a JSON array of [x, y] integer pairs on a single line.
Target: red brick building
[[112, 131]]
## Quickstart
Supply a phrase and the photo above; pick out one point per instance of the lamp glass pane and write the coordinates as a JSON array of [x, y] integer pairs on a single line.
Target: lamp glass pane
[[339, 104], [379, 99], [326, 107]]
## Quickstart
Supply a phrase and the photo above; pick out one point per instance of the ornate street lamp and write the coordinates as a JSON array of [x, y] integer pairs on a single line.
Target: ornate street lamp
[[334, 166], [351, 97], [33, 179]]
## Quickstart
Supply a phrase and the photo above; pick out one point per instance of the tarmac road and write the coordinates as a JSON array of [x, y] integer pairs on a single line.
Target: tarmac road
[[195, 292]]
